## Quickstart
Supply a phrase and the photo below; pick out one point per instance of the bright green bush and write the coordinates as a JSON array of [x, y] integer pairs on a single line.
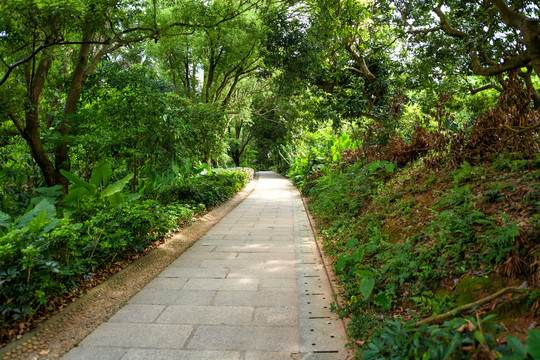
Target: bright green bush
[[210, 189]]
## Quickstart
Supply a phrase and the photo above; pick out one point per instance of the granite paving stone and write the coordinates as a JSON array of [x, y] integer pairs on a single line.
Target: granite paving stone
[[165, 336], [206, 315], [278, 283], [266, 256], [187, 272], [166, 283], [269, 297], [276, 316], [222, 284], [173, 297], [137, 313], [268, 355], [242, 337], [166, 354], [233, 264], [95, 352], [283, 273]]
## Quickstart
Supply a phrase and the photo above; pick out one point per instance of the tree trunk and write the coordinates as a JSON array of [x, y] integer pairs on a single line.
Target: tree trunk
[[35, 81], [236, 157], [61, 152], [135, 174], [32, 136], [528, 27]]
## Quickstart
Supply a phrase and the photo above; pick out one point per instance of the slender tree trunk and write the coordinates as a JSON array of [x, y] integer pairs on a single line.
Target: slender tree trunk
[[208, 160], [32, 136], [135, 174], [35, 78], [236, 157]]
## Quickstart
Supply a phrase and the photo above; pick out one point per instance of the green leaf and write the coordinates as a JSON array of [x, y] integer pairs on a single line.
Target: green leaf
[[132, 197], [116, 187], [383, 300], [341, 262], [451, 347], [358, 255], [5, 220], [51, 225], [75, 195], [38, 222], [372, 166], [366, 286], [79, 182], [479, 336], [533, 344], [351, 244], [362, 272], [101, 174], [43, 206], [115, 199], [53, 191], [516, 345], [489, 318], [201, 168], [389, 167]]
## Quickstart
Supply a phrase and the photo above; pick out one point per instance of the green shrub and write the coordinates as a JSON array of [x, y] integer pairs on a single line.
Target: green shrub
[[31, 266], [210, 189], [461, 338]]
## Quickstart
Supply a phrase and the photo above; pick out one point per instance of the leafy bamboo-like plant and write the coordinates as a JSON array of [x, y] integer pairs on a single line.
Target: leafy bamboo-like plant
[[101, 175]]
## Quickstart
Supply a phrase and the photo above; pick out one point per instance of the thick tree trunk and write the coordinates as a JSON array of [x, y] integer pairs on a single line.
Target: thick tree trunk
[[531, 38], [529, 28], [61, 152]]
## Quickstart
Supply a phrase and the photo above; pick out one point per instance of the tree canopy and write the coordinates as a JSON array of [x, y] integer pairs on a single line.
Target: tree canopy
[[413, 125]]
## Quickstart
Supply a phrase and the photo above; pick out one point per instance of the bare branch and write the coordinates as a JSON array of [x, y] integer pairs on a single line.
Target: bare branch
[[445, 24], [17, 123], [424, 31], [485, 87], [462, 308], [514, 62], [24, 61]]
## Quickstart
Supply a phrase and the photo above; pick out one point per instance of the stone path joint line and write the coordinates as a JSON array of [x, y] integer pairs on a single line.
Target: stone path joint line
[[253, 287]]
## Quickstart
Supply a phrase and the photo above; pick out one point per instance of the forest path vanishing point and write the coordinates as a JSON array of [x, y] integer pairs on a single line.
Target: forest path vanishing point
[[253, 287]]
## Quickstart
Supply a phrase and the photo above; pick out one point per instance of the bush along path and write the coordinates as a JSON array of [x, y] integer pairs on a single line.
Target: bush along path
[[61, 247]]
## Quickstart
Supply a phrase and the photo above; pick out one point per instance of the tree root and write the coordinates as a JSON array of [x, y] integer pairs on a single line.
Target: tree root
[[455, 312]]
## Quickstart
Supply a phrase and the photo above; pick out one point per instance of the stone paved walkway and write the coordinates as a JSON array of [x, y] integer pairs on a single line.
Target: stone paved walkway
[[253, 287]]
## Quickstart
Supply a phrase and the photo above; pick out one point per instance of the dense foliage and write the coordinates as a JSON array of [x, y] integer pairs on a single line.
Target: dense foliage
[[412, 126], [410, 240]]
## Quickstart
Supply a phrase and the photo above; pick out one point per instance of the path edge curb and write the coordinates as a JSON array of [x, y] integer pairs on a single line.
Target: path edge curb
[[327, 265]]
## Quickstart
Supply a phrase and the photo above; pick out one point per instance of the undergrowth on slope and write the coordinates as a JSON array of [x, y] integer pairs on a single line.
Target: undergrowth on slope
[[414, 242]]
